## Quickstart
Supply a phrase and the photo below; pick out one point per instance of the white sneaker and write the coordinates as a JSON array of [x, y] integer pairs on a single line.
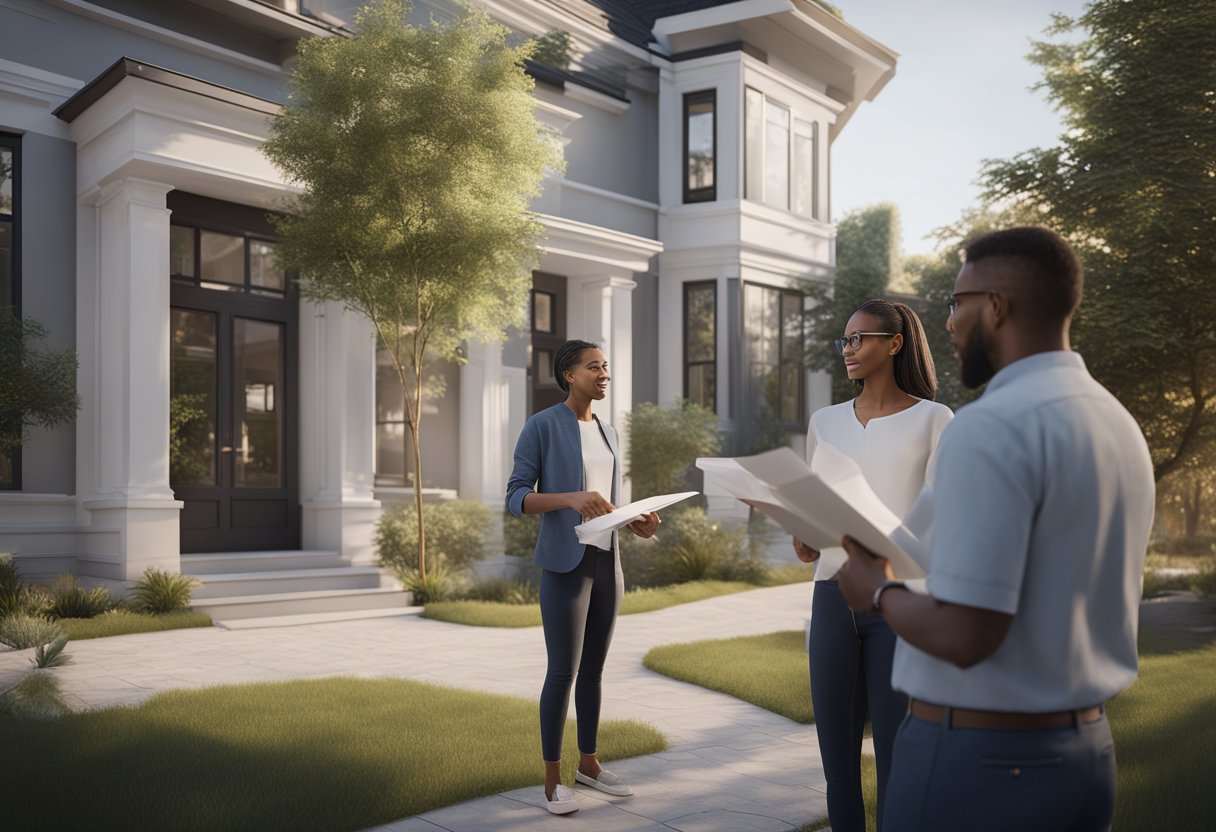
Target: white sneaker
[[606, 782], [564, 801]]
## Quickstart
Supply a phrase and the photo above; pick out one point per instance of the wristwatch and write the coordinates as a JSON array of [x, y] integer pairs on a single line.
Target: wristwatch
[[883, 587]]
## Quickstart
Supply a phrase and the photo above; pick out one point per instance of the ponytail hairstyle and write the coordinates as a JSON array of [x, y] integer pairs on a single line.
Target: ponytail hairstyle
[[566, 358], [914, 371]]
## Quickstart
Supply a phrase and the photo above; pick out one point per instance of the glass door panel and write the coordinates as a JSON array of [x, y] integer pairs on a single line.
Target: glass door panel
[[258, 385], [192, 398]]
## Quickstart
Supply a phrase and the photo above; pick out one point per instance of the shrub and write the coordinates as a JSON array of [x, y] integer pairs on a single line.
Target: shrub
[[519, 534], [1204, 581], [36, 696], [17, 598], [1155, 583], [51, 654], [438, 585], [22, 632], [70, 600], [690, 546], [161, 591], [455, 535], [1203, 544], [664, 442], [504, 591]]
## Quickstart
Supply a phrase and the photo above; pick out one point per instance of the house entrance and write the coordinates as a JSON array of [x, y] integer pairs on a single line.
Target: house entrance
[[548, 313], [232, 405]]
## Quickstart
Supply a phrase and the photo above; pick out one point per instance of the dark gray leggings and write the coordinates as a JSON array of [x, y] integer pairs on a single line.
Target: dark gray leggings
[[578, 611]]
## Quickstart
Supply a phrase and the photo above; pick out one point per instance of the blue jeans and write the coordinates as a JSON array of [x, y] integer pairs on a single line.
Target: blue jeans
[[1056, 780], [850, 660], [578, 612]]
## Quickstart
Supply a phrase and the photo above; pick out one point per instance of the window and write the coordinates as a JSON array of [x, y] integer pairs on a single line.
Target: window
[[701, 343], [10, 268], [700, 147], [774, 331], [225, 262], [780, 156]]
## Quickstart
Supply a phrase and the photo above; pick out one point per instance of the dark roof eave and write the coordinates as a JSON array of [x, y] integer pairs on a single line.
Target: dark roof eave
[[124, 67]]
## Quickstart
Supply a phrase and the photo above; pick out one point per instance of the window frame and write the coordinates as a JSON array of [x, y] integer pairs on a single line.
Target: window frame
[[709, 193], [689, 287], [799, 419], [12, 142], [754, 183]]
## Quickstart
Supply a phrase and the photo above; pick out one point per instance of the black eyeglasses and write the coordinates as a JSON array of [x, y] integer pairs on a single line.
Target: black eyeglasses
[[854, 340]]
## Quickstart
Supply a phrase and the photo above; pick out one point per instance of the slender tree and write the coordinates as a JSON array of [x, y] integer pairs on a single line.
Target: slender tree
[[418, 153], [37, 385], [1132, 182]]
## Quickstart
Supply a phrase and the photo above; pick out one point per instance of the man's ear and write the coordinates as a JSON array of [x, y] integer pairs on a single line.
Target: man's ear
[[999, 307]]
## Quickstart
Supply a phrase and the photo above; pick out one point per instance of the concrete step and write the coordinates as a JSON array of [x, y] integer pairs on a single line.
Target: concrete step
[[301, 603], [314, 618], [232, 584], [216, 563]]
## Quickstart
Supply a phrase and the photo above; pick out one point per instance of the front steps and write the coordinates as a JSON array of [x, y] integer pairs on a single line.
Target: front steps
[[264, 585]]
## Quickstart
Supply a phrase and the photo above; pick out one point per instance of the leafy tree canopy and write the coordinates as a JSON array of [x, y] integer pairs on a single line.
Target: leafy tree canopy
[[1132, 183], [37, 386]]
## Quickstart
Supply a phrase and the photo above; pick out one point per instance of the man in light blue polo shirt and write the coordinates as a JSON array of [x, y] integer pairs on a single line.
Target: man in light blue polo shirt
[[1036, 524]]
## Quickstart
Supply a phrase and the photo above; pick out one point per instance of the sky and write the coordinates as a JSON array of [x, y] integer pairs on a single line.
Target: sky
[[961, 94]]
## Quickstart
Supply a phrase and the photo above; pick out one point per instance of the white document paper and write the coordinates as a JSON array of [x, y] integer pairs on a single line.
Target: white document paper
[[625, 515], [818, 504]]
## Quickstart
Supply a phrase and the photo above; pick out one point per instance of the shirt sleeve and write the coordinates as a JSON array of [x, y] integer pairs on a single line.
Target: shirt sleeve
[[526, 472], [811, 440], [984, 502]]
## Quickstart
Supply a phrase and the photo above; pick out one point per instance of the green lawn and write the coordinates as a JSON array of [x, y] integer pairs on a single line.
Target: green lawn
[[123, 622], [1164, 725], [648, 599], [330, 754]]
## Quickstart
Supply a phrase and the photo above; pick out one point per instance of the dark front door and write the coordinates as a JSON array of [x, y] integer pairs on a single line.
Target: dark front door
[[548, 314], [232, 413]]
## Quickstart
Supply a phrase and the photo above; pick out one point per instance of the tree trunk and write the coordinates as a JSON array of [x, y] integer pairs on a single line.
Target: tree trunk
[[418, 497], [1191, 508]]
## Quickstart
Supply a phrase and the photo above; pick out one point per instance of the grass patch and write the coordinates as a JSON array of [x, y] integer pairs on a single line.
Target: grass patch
[[122, 622], [646, 599], [769, 670], [328, 754]]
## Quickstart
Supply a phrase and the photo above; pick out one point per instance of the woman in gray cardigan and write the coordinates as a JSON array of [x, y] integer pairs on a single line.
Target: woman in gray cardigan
[[566, 460]]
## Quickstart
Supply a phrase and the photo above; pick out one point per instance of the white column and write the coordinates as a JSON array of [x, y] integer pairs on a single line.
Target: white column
[[123, 337], [485, 422], [337, 431], [604, 314]]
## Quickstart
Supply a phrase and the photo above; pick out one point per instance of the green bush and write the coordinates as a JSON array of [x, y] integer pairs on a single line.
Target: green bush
[[1204, 581], [1203, 544], [17, 598], [664, 442], [22, 632], [51, 654], [691, 546], [455, 534], [504, 591], [70, 600], [160, 591], [519, 534], [440, 583], [1156, 584]]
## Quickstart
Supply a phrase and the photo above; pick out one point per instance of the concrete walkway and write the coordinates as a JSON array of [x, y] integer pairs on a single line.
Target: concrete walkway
[[730, 767]]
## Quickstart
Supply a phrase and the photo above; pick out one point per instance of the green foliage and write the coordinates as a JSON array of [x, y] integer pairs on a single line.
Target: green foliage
[[38, 386], [690, 546], [867, 257], [1138, 204], [1157, 584], [418, 152], [70, 600], [456, 534], [438, 584], [503, 591], [519, 534], [187, 418], [1198, 545], [121, 622], [17, 598], [36, 696], [22, 631], [664, 442], [158, 591], [51, 654], [1204, 581], [553, 49]]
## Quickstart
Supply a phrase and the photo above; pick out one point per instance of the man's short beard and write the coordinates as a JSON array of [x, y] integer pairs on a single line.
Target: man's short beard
[[976, 367]]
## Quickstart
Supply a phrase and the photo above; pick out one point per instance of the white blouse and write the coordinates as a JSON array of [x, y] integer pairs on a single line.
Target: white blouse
[[893, 452], [597, 469]]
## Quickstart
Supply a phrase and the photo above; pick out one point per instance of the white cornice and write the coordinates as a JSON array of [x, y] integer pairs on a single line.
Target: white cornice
[[28, 95]]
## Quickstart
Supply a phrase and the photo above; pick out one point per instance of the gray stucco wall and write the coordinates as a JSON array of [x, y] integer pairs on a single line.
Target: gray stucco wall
[[48, 288], [645, 375], [616, 152]]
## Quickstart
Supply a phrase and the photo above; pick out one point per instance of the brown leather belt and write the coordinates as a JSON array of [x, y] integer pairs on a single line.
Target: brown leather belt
[[1002, 720]]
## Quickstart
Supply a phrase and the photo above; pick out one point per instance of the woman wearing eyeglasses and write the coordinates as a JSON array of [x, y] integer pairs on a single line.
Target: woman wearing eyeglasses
[[890, 429]]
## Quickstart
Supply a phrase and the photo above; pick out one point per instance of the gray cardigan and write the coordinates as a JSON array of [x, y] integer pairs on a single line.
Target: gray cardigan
[[549, 460]]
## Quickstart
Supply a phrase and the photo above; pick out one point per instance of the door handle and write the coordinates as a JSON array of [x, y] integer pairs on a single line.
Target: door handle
[[227, 449]]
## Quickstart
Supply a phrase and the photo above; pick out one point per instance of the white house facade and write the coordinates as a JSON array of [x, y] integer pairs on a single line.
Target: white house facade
[[231, 430]]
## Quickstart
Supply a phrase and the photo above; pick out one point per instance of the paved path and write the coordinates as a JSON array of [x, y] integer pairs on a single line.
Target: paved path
[[730, 767]]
